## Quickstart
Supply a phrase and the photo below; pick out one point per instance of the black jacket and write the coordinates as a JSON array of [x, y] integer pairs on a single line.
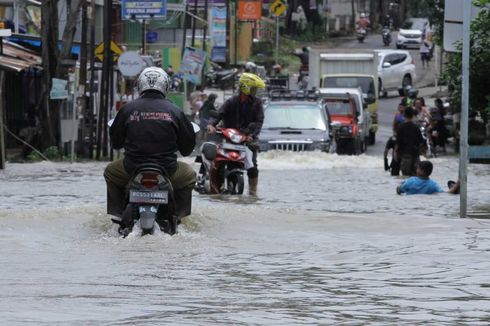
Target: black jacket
[[247, 117], [409, 139], [152, 129]]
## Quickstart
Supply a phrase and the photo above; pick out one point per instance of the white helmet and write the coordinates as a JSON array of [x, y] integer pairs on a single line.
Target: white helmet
[[363, 15], [153, 78], [250, 67]]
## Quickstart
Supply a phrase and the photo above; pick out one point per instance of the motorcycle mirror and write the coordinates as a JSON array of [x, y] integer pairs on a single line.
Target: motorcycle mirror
[[196, 127]]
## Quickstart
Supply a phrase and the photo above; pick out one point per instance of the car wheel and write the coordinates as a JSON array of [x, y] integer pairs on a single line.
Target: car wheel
[[372, 137], [364, 145], [356, 146], [407, 80], [384, 92]]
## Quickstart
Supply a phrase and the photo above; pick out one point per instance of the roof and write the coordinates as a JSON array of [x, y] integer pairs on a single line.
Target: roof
[[17, 58]]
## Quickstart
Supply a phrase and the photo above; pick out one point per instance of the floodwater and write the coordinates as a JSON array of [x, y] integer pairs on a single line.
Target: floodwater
[[327, 242]]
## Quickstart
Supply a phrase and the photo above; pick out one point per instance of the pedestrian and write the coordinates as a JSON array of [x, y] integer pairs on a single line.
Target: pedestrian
[[399, 117], [421, 184], [425, 54], [408, 143], [205, 114], [394, 165]]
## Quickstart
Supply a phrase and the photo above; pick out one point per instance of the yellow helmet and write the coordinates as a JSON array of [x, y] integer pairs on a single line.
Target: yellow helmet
[[248, 80]]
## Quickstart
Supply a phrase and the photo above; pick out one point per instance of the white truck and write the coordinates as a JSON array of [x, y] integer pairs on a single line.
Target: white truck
[[347, 69]]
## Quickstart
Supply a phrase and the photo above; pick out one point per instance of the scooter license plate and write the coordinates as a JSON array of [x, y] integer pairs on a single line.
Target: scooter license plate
[[232, 147], [148, 197]]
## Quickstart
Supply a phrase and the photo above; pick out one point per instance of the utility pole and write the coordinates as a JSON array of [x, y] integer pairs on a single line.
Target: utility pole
[[143, 36], [83, 76], [205, 30], [2, 139], [465, 91], [194, 24], [91, 105], [104, 83]]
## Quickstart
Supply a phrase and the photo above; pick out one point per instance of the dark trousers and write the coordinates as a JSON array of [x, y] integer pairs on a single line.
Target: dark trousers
[[408, 164], [117, 179]]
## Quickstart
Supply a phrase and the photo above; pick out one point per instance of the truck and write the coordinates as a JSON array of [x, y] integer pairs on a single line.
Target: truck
[[346, 69]]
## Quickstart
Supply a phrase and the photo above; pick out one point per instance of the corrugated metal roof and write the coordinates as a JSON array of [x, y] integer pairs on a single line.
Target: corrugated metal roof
[[17, 58]]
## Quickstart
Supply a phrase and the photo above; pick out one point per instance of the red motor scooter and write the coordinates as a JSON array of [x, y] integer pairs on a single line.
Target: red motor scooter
[[222, 164]]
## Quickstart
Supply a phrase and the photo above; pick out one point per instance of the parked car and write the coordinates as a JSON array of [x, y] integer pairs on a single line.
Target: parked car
[[347, 107], [295, 123], [412, 32], [396, 70]]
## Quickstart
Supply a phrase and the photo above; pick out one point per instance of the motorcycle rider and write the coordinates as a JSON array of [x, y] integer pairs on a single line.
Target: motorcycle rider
[[363, 21], [244, 112], [151, 129]]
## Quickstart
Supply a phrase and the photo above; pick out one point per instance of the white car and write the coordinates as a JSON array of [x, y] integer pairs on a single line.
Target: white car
[[396, 70], [412, 32]]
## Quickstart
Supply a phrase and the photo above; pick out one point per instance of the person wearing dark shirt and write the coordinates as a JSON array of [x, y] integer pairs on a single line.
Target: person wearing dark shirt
[[393, 166], [151, 129], [408, 142], [244, 112]]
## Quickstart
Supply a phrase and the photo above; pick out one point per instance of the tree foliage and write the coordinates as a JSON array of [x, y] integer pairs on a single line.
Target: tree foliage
[[479, 64]]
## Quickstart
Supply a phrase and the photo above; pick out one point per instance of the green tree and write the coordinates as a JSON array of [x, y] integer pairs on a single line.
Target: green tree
[[479, 64]]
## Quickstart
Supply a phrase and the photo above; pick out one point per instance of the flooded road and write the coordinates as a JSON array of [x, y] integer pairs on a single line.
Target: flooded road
[[328, 241]]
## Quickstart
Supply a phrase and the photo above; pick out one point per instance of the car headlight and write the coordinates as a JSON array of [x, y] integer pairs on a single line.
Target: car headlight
[[346, 129]]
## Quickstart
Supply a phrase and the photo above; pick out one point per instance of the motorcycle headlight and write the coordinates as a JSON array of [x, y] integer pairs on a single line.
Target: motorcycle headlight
[[235, 138]]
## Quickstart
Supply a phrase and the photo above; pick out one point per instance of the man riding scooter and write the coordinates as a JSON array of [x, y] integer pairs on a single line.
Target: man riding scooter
[[244, 112], [151, 129]]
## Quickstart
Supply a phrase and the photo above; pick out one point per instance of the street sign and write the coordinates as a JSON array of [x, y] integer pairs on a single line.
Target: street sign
[[453, 23], [115, 49], [143, 9], [58, 90], [278, 7], [130, 64]]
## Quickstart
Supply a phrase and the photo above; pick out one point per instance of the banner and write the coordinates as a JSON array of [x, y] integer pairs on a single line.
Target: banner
[[249, 10], [218, 26], [192, 64]]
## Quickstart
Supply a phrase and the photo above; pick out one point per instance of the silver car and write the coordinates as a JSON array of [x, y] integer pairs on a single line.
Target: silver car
[[295, 125]]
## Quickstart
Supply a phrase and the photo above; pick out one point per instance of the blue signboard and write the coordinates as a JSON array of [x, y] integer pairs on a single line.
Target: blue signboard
[[151, 37], [143, 9]]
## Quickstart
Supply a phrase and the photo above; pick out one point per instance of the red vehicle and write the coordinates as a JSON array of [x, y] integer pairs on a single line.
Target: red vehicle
[[222, 164], [348, 138]]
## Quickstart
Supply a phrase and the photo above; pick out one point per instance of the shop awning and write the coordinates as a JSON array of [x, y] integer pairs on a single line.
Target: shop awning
[[16, 58]]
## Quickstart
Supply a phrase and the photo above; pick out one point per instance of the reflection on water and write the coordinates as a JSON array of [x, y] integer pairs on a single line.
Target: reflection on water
[[323, 245]]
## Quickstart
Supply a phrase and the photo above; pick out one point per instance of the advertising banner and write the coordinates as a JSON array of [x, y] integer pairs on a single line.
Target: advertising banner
[[192, 64], [249, 10], [218, 26]]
